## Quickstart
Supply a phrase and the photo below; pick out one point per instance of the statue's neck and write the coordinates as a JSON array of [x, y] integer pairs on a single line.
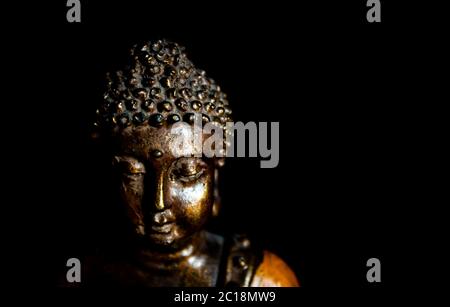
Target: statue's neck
[[195, 263], [171, 258]]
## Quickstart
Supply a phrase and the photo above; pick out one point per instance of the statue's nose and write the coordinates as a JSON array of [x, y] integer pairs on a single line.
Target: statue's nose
[[159, 199]]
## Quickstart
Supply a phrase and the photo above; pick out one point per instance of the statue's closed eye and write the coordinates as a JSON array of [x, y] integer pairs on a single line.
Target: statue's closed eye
[[188, 169], [130, 167]]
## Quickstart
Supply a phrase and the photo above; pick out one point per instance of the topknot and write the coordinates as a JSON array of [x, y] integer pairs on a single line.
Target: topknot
[[160, 87]]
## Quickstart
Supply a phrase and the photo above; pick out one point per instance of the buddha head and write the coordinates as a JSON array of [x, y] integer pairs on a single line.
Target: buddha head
[[169, 191]]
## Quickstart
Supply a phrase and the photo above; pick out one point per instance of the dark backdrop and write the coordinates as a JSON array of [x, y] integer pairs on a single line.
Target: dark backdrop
[[331, 79]]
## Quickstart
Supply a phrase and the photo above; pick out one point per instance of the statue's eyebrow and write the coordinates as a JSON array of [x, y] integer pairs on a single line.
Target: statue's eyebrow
[[131, 164], [126, 158]]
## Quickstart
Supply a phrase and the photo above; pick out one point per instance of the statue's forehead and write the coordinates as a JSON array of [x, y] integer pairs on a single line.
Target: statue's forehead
[[172, 141]]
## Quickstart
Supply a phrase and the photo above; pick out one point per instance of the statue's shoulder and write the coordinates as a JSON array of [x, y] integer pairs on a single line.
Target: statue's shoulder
[[273, 272], [247, 265], [239, 262]]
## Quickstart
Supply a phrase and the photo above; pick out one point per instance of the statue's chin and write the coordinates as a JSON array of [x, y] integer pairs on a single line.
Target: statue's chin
[[160, 239], [171, 241], [167, 241]]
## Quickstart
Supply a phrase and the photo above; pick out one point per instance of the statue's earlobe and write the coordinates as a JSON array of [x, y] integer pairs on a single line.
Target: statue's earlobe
[[94, 132], [217, 201]]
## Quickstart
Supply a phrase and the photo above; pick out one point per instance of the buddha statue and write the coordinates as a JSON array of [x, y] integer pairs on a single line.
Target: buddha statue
[[168, 191]]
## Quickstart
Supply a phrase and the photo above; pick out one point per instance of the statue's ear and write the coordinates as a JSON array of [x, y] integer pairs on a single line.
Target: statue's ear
[[115, 160], [94, 132], [217, 201]]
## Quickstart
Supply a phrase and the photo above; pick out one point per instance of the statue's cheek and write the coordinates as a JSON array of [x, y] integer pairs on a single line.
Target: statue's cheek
[[132, 188], [131, 191], [193, 203]]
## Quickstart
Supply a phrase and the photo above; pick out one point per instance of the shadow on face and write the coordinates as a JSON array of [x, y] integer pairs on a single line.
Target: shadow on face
[[166, 189]]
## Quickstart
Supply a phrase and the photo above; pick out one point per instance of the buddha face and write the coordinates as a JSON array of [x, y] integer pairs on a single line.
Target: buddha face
[[168, 193]]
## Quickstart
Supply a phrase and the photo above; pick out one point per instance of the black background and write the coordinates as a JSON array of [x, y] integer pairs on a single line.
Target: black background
[[338, 85]]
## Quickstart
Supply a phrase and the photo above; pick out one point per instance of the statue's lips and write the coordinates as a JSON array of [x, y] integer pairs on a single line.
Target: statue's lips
[[162, 229]]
